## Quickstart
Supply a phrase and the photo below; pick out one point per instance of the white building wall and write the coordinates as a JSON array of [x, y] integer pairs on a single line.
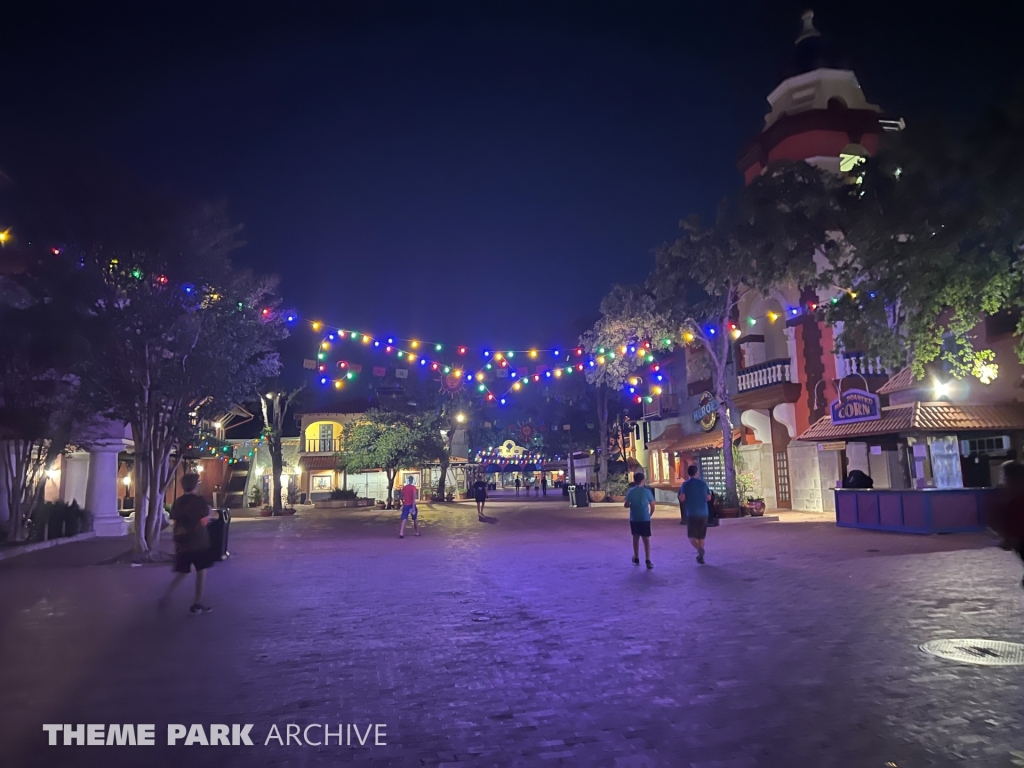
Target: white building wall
[[804, 478]]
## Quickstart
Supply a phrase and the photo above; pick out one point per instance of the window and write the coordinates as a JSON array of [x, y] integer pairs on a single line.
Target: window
[[323, 483], [326, 437], [712, 470]]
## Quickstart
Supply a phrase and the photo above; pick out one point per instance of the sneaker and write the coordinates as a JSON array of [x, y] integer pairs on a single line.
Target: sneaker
[[197, 608], [700, 557], [401, 536], [650, 564], [636, 561]]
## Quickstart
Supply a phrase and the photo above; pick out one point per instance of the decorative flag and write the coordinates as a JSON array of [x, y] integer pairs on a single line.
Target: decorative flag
[[309, 364], [554, 427], [487, 425], [401, 373], [590, 425], [355, 368], [379, 371], [524, 371], [565, 427], [503, 373]]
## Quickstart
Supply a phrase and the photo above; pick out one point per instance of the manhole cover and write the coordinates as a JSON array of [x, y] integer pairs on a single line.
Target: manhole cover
[[992, 653]]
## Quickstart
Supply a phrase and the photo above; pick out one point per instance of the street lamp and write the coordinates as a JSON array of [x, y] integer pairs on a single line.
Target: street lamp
[[460, 417]]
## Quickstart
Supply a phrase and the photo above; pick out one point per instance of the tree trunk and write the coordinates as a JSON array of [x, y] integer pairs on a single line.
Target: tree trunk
[[722, 395], [277, 469], [602, 420], [390, 473], [142, 493]]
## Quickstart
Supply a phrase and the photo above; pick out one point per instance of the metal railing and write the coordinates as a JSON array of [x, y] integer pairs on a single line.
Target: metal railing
[[763, 374], [323, 445], [664, 403]]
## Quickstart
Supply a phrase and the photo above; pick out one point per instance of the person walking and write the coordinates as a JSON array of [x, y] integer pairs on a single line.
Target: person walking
[[694, 496], [1006, 517], [480, 494], [517, 485], [544, 484], [640, 502], [409, 495], [190, 514]]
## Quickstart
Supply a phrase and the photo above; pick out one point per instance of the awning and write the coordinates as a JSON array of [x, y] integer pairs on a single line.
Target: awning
[[706, 441], [314, 463], [673, 434], [899, 382], [923, 417]]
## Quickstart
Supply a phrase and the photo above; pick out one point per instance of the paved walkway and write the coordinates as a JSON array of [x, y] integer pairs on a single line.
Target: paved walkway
[[532, 641]]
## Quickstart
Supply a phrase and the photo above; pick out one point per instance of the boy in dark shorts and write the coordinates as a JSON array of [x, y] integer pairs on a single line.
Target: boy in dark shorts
[[640, 502], [480, 494], [694, 496], [190, 514], [409, 495]]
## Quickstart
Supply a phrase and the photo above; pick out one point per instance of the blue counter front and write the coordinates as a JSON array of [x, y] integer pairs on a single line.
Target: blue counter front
[[929, 510]]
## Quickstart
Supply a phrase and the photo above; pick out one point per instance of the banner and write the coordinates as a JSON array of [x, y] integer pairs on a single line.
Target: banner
[[401, 373], [377, 371]]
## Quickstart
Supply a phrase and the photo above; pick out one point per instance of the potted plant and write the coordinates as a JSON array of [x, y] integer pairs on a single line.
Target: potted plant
[[449, 496], [598, 496], [267, 511], [255, 496], [381, 504], [617, 490], [746, 489]]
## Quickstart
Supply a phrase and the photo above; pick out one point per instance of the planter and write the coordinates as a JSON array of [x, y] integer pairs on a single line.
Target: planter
[[267, 512], [754, 507], [597, 496], [381, 505], [618, 499], [464, 496], [287, 511], [729, 512]]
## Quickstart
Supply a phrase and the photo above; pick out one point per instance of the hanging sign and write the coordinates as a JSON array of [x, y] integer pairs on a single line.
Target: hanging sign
[[856, 405], [707, 411]]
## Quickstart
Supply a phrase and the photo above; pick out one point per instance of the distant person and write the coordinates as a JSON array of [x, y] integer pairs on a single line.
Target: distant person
[[544, 484], [517, 486], [694, 496], [480, 494], [190, 513], [1006, 517], [536, 487], [640, 502], [409, 495]]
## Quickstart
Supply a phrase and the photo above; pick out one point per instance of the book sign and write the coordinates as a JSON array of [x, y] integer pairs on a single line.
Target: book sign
[[856, 405]]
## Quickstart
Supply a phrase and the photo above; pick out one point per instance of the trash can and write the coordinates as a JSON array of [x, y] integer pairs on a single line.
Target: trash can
[[578, 496], [217, 529]]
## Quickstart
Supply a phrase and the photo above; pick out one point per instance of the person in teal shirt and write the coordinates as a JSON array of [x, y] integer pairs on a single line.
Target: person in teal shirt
[[694, 496], [640, 502]]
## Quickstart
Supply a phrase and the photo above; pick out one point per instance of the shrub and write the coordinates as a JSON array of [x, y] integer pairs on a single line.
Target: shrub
[[58, 519], [256, 495], [346, 494], [746, 486], [617, 487]]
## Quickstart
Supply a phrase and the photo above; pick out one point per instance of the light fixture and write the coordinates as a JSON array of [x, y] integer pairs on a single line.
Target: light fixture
[[199, 469], [460, 417], [127, 480], [941, 388], [53, 474], [217, 425]]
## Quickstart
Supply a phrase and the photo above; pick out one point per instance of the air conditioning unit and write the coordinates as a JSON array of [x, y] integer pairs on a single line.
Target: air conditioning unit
[[1000, 444]]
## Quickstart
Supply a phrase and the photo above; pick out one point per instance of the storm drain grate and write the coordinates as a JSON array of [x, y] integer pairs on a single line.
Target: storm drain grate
[[990, 653]]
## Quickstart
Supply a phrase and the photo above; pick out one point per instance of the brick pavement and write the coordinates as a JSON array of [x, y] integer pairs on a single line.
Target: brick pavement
[[532, 641]]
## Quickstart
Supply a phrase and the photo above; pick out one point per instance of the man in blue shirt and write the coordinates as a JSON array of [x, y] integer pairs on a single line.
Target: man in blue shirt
[[640, 501], [694, 496]]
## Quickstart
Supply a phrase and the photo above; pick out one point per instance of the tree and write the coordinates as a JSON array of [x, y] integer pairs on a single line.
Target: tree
[[629, 331], [185, 337], [275, 405], [765, 237], [925, 209], [390, 440], [44, 339]]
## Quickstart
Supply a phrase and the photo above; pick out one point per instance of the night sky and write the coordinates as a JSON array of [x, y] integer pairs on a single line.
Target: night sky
[[468, 172]]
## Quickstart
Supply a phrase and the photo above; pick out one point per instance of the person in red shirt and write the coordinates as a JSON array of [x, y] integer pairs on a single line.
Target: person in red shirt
[[409, 495]]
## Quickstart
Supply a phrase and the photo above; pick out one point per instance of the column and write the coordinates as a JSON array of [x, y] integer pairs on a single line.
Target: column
[[101, 490]]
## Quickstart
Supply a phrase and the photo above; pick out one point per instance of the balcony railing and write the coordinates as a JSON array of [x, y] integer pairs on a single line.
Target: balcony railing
[[661, 405], [859, 363], [763, 374], [323, 445]]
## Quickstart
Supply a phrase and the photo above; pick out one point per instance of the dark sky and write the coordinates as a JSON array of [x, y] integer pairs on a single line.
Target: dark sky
[[470, 172]]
